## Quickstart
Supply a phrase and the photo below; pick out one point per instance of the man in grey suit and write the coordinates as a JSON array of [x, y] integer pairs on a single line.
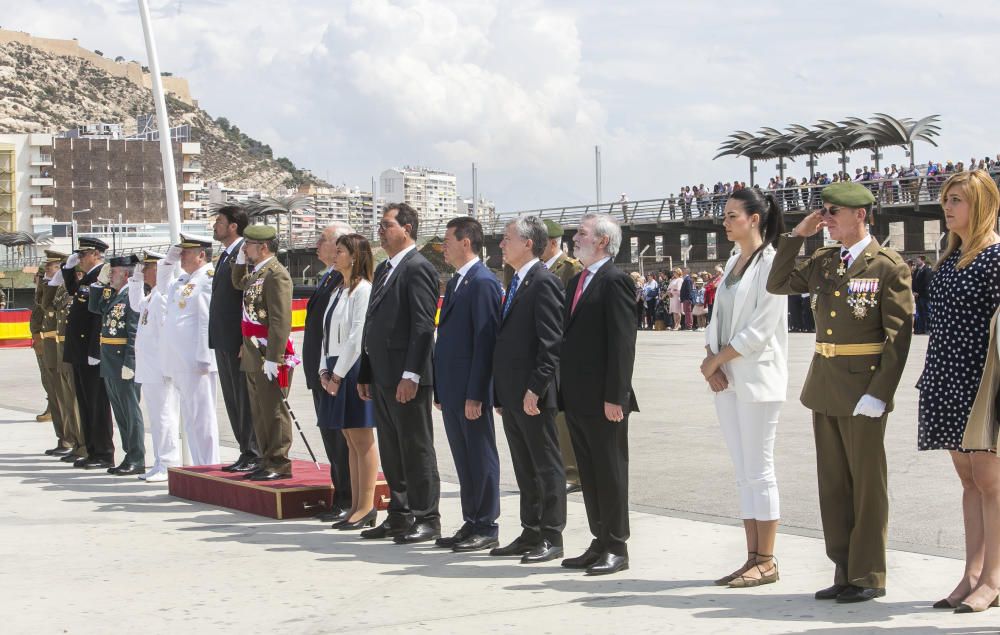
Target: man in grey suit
[[226, 338]]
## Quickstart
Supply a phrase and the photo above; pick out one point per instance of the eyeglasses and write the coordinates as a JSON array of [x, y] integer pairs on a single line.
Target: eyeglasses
[[386, 225], [828, 211]]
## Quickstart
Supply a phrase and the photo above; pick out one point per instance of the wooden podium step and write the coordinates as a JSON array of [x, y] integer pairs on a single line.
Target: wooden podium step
[[307, 493]]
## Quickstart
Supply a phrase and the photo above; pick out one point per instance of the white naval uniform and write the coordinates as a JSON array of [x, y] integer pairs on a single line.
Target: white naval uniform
[[191, 363], [158, 391]]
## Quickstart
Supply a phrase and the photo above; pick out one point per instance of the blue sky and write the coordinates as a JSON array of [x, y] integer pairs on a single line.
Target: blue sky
[[527, 89]]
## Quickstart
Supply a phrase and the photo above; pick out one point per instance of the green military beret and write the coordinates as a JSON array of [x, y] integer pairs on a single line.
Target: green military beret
[[260, 232], [847, 195], [555, 229]]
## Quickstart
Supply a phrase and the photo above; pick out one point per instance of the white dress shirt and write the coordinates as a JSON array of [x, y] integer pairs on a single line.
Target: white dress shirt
[[257, 267], [594, 268], [858, 247], [464, 269], [395, 260]]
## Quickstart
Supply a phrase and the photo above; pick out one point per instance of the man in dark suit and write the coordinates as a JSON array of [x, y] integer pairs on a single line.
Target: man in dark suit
[[225, 337], [595, 382], [921, 288], [397, 375], [463, 368], [525, 366], [83, 350], [312, 346]]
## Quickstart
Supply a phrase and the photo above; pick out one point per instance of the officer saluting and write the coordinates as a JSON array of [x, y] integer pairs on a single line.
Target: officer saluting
[[119, 321], [267, 356], [82, 349], [864, 311], [54, 304]]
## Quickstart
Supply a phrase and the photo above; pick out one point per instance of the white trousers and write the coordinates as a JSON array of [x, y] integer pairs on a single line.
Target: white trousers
[[749, 430], [161, 400], [201, 429]]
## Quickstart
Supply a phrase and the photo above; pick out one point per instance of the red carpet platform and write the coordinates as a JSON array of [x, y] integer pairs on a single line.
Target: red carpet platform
[[308, 492]]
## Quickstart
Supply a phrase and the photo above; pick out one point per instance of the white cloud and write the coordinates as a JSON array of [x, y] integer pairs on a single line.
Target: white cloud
[[527, 88]]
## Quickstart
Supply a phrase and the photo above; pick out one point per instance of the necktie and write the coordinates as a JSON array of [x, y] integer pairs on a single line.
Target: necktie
[[449, 293], [222, 259], [382, 278], [845, 257], [510, 294], [579, 290]]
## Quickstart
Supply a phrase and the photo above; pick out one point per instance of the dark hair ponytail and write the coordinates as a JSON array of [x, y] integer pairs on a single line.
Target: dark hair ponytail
[[772, 220]]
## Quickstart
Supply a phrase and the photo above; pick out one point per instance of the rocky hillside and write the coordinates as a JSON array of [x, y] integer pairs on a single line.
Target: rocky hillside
[[42, 92]]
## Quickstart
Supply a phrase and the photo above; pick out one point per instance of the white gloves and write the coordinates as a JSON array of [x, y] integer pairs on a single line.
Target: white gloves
[[270, 370], [73, 260], [105, 276], [92, 361], [137, 272], [127, 373], [57, 279], [869, 406], [241, 257], [173, 255]]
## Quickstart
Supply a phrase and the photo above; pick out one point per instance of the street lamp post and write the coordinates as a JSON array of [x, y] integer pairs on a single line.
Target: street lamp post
[[72, 216]]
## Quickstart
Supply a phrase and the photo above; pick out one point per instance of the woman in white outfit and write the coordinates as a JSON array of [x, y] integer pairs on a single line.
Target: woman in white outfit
[[158, 391], [342, 408], [746, 366]]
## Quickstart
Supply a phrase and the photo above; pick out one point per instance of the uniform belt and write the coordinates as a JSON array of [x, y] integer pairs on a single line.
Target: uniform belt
[[114, 341], [52, 334], [827, 349]]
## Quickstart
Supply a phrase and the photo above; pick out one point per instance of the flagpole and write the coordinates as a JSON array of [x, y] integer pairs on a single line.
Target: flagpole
[[163, 125]]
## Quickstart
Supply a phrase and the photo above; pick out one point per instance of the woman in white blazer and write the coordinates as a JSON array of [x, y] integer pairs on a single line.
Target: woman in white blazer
[[342, 408], [747, 367]]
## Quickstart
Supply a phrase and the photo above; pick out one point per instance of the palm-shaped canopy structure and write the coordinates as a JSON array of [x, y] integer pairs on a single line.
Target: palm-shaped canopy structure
[[848, 135]]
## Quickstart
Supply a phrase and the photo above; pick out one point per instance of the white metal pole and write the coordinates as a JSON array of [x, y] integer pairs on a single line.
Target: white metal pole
[[163, 124], [475, 194], [597, 172]]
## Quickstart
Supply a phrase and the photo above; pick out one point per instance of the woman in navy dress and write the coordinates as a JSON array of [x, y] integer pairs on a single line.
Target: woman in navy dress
[[342, 408], [964, 294]]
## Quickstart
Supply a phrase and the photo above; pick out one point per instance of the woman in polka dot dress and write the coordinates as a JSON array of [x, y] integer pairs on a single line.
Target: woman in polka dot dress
[[964, 294]]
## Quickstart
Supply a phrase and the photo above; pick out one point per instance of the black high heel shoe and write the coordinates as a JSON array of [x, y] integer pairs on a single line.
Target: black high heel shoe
[[944, 604], [368, 520], [968, 608]]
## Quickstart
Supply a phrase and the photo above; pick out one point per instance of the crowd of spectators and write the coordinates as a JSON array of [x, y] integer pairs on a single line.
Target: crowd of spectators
[[890, 185], [675, 300]]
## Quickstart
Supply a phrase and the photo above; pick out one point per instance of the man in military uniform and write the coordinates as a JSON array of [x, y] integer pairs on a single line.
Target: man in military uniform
[[864, 311], [564, 268], [62, 397], [119, 321], [187, 358], [267, 355], [82, 349], [35, 328], [158, 391]]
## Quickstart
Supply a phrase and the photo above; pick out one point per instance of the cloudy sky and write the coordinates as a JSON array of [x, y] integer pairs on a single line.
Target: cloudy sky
[[526, 89]]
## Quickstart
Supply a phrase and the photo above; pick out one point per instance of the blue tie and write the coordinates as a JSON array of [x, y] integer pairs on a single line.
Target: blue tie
[[510, 294]]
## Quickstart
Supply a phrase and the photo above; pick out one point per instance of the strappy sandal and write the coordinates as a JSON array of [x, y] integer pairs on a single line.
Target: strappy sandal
[[743, 582], [751, 559]]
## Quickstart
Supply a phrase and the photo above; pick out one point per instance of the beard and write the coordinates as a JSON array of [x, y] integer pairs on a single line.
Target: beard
[[585, 252]]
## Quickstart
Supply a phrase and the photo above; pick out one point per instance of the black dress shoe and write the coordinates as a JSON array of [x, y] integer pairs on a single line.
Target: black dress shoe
[[582, 561], [60, 452], [854, 594], [519, 547], [608, 563], [95, 464], [334, 515], [419, 532], [232, 467], [120, 466], [130, 470], [256, 470], [387, 529], [572, 488], [448, 542], [80, 462], [831, 592], [475, 542], [268, 475], [368, 520], [71, 458], [542, 552]]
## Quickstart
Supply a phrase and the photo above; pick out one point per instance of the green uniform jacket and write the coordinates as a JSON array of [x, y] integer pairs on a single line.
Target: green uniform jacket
[[35, 321], [835, 384], [267, 295], [55, 307], [118, 321], [565, 268]]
